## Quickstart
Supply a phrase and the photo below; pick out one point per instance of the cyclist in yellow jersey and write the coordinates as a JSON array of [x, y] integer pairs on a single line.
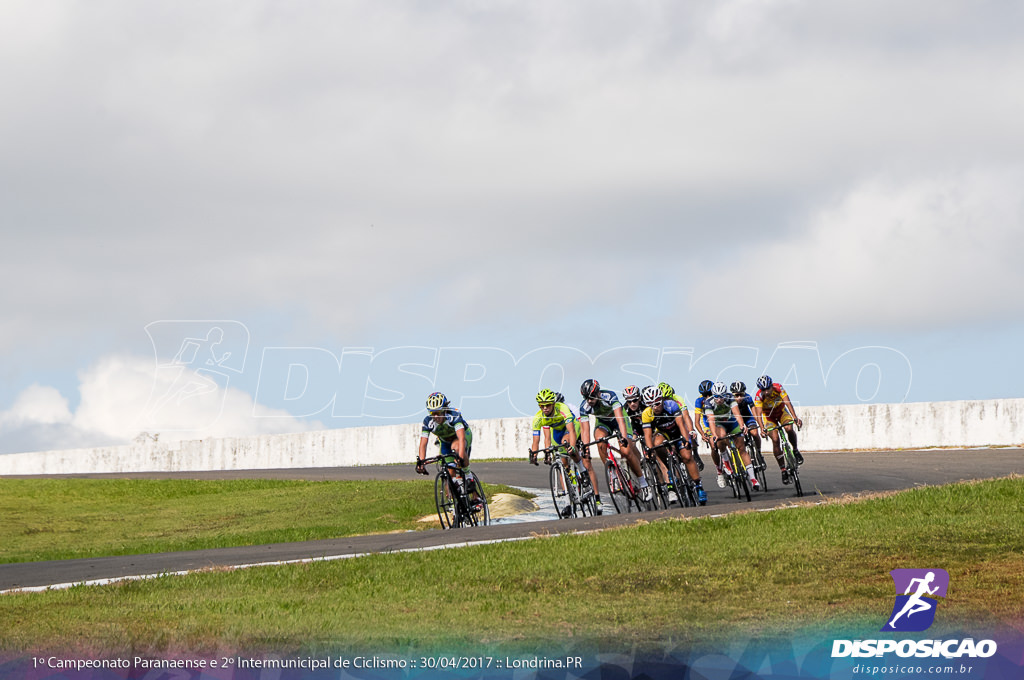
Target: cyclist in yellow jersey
[[664, 421], [668, 392], [773, 405], [556, 420]]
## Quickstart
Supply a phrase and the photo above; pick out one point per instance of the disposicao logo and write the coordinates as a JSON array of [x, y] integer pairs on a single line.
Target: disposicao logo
[[917, 591], [914, 610]]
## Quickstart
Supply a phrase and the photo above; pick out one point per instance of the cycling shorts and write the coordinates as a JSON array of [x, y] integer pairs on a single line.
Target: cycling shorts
[[558, 435], [779, 415], [611, 426], [730, 425], [446, 448]]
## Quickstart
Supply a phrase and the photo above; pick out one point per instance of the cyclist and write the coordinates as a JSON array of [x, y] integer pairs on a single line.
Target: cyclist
[[557, 420], [746, 404], [633, 407], [453, 437], [607, 411], [669, 393], [663, 420], [772, 405], [703, 428], [726, 423]]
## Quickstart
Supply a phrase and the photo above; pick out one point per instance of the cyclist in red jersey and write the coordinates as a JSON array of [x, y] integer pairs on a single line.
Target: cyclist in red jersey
[[773, 405]]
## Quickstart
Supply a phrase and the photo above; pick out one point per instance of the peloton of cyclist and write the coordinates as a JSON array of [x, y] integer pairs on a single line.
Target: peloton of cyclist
[[607, 411], [453, 437], [725, 422], [663, 421], [773, 405], [557, 420]]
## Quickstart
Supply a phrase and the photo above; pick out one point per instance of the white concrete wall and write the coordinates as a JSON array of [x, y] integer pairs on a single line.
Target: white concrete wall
[[826, 428]]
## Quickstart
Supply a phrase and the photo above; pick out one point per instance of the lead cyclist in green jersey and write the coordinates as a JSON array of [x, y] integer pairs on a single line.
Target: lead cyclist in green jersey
[[556, 420]]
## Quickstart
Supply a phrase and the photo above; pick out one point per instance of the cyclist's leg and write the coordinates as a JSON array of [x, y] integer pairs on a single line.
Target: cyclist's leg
[[660, 454], [632, 456], [600, 431], [583, 456], [631, 452]]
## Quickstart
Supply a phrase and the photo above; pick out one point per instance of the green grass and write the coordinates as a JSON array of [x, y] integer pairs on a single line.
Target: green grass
[[653, 586], [54, 519]]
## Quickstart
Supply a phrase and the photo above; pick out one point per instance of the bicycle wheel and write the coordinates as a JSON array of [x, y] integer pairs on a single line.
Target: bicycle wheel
[[680, 477], [787, 453], [586, 498], [659, 497], [760, 469], [730, 475], [481, 512], [741, 483], [617, 489], [561, 491], [445, 500]]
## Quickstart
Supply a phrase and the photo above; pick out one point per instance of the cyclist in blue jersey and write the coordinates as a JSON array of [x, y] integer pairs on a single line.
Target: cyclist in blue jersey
[[609, 420], [700, 404], [453, 437]]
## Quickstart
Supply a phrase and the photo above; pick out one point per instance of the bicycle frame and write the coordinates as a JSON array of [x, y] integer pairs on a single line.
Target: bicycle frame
[[621, 485]]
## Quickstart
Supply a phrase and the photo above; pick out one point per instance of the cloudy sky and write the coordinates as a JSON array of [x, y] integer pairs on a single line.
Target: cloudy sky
[[227, 218]]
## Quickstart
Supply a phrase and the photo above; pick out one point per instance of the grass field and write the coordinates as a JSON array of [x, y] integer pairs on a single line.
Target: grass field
[[653, 586], [56, 519]]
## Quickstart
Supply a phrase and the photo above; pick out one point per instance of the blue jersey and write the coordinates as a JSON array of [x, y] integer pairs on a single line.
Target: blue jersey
[[746, 404], [446, 430]]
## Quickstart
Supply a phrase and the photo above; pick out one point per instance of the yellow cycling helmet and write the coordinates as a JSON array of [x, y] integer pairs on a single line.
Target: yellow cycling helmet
[[437, 402], [666, 390], [546, 396]]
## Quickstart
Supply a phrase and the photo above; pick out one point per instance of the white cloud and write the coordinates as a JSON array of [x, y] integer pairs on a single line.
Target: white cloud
[[37, 404], [123, 396], [897, 253]]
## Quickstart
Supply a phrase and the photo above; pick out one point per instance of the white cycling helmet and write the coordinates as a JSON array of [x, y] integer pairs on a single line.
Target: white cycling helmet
[[719, 389], [652, 395]]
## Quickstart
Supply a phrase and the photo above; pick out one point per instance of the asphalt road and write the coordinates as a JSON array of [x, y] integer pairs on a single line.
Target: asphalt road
[[827, 475]]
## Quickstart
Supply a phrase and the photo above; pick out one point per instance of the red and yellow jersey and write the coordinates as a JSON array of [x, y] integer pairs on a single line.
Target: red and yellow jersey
[[771, 399]]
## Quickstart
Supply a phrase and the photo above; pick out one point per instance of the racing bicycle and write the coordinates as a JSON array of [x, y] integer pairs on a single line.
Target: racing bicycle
[[756, 460], [789, 458], [684, 487], [456, 505], [571, 490], [621, 485], [734, 470], [655, 473]]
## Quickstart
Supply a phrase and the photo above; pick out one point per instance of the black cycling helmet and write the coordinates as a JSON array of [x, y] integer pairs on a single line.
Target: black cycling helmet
[[738, 387], [705, 387], [590, 389]]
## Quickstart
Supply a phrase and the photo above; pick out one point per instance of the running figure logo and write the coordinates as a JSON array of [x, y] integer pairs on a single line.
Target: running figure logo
[[914, 610]]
